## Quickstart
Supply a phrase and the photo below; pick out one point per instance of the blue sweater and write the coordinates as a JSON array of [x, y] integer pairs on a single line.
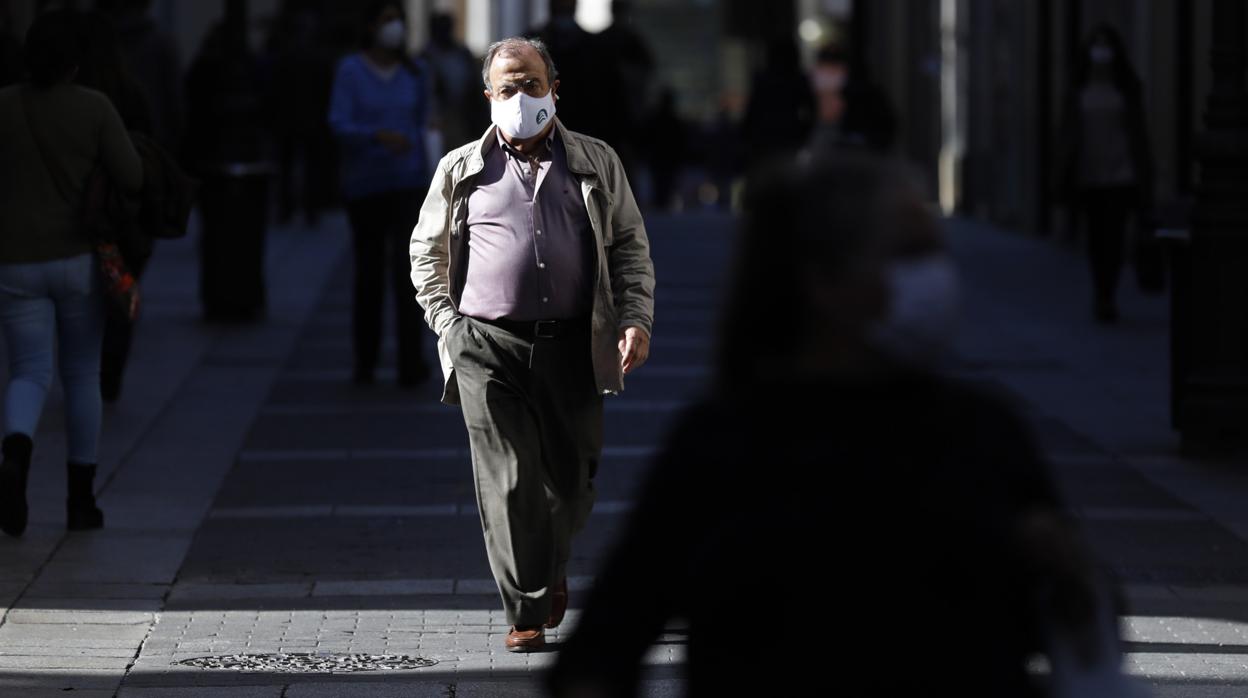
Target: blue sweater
[[363, 103]]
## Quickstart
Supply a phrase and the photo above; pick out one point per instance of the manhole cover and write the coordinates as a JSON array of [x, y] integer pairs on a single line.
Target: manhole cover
[[290, 663]]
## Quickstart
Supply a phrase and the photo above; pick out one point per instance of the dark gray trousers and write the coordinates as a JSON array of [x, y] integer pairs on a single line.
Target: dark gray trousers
[[534, 418]]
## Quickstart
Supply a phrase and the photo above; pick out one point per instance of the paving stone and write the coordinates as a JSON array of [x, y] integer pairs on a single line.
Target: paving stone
[[77, 636], [21, 616]]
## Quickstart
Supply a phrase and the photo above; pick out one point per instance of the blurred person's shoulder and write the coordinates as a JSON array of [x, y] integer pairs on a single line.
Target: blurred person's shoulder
[[351, 64]]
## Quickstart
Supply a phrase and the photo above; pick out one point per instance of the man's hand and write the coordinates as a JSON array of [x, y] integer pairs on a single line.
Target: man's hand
[[394, 141], [634, 348]]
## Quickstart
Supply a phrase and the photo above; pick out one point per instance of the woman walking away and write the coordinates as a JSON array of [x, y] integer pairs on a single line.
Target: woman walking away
[[378, 111], [1107, 169], [53, 134]]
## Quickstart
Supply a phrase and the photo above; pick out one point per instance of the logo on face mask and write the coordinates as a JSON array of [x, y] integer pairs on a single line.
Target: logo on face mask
[[541, 117]]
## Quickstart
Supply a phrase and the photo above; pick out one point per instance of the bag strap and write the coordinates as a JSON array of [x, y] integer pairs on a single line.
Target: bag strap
[[59, 177]]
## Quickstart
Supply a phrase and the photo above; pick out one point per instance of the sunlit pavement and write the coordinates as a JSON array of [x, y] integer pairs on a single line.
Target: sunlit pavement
[[258, 503]]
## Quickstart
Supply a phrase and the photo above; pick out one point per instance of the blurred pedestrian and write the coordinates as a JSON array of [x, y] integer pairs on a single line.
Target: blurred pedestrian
[[104, 69], [591, 74], [666, 149], [154, 62], [10, 47], [1106, 170], [829, 80], [634, 96], [378, 112], [532, 264], [850, 109], [831, 465], [300, 80], [461, 114], [54, 134], [781, 108]]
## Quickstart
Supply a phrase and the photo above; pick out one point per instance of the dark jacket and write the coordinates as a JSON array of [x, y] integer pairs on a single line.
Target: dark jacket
[[821, 532], [1070, 143]]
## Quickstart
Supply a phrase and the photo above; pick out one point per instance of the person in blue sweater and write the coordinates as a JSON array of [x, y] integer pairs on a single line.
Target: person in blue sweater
[[377, 112]]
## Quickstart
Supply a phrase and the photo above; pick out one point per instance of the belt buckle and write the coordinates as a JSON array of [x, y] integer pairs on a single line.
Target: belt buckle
[[552, 324]]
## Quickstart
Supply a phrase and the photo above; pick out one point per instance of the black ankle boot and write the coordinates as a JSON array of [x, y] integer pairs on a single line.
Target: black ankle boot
[[81, 512], [13, 474]]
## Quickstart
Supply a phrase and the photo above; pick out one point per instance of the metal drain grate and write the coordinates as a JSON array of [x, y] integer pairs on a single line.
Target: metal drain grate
[[295, 663]]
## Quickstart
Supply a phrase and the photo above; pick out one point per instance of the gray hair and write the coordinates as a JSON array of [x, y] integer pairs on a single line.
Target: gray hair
[[516, 44]]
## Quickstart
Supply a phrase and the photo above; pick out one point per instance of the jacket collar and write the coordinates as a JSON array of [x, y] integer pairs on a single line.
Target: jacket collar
[[573, 147]]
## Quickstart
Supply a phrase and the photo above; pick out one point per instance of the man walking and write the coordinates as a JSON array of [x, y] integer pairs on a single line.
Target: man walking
[[532, 264]]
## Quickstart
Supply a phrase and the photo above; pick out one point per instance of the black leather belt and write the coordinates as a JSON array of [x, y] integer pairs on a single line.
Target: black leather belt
[[539, 329]]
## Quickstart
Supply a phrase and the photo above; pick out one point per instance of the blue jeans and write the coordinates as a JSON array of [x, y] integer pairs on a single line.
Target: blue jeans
[[45, 305]]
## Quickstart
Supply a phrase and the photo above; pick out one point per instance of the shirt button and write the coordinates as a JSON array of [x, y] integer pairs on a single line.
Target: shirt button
[[541, 265], [545, 300], [539, 232]]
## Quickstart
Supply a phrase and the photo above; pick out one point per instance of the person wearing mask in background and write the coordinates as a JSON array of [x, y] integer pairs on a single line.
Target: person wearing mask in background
[[378, 109], [53, 133], [104, 69], [836, 419], [1106, 171], [532, 264]]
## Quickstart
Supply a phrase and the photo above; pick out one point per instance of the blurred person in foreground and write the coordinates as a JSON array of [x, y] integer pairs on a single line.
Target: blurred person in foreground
[[833, 471], [532, 264], [378, 111], [53, 134]]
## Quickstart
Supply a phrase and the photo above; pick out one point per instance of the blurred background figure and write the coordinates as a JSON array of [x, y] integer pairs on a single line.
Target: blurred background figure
[[378, 112], [752, 494], [154, 62], [10, 47], [590, 86], [301, 73], [55, 134], [829, 79], [1106, 172], [226, 147], [104, 68], [461, 114], [629, 104], [665, 149], [781, 110]]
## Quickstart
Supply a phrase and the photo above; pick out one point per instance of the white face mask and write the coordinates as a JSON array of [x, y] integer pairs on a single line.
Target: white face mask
[[391, 34], [922, 319], [523, 116]]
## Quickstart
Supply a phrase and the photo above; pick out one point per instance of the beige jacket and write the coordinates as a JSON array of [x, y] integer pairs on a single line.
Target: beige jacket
[[623, 277]]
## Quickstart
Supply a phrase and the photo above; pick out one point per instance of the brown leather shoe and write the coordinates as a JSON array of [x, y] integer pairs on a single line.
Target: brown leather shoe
[[526, 639], [558, 604]]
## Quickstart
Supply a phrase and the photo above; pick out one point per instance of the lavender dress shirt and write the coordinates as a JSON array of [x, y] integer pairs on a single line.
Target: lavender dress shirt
[[529, 239]]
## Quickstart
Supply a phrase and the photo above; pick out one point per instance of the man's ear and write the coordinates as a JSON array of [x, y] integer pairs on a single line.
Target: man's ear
[[554, 87], [487, 94]]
